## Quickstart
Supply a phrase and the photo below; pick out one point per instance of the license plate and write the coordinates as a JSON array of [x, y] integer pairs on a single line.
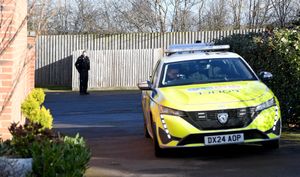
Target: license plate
[[224, 139]]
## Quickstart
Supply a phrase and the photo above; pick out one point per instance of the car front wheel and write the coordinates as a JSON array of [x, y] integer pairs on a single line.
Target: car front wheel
[[158, 151], [146, 133]]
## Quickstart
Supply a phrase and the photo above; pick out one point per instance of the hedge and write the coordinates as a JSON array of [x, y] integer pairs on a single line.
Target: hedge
[[278, 53]]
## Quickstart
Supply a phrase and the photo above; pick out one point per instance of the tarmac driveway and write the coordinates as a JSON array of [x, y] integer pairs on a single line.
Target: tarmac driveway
[[112, 124]]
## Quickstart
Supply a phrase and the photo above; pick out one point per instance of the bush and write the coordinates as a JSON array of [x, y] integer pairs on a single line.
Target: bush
[[52, 154], [34, 111], [38, 95], [68, 158], [5, 148], [280, 55], [23, 137]]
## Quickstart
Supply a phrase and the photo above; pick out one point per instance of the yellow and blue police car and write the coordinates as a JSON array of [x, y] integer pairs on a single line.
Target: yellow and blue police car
[[203, 95]]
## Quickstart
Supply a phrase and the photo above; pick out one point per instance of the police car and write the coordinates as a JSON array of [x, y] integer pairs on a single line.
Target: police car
[[203, 95]]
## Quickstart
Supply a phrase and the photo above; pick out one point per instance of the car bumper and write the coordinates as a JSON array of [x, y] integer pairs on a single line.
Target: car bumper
[[174, 131]]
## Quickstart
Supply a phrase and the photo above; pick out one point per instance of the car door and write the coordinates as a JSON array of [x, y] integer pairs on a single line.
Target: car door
[[147, 98]]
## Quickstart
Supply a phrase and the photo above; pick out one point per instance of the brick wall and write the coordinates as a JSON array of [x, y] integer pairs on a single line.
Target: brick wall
[[16, 62]]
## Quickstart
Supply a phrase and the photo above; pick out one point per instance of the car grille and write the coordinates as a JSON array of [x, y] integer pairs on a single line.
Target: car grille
[[208, 120]]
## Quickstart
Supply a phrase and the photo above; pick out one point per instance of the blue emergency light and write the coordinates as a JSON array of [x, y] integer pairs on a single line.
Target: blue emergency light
[[205, 47]]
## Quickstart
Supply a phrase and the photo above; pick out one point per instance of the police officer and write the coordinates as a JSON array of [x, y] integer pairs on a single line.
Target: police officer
[[83, 66]]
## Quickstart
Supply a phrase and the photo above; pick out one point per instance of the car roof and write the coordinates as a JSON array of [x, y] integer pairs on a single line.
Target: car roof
[[176, 57]]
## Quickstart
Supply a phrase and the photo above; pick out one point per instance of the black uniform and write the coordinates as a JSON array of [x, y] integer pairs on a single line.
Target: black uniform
[[83, 66]]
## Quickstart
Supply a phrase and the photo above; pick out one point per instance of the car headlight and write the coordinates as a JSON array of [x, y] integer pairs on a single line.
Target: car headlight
[[265, 105], [169, 111]]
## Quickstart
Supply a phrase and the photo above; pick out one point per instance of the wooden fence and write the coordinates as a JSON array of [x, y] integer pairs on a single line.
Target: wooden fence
[[117, 69], [54, 52]]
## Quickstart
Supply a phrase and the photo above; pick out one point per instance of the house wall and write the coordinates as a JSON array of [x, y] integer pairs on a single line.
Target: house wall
[[16, 63]]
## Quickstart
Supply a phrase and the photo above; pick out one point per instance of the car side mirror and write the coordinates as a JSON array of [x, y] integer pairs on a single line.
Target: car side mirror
[[265, 76], [146, 85]]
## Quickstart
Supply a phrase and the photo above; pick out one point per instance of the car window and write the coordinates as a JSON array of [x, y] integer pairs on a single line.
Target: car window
[[205, 71]]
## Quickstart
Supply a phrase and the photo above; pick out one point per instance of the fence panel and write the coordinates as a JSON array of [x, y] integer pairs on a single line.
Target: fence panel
[[54, 52], [117, 69]]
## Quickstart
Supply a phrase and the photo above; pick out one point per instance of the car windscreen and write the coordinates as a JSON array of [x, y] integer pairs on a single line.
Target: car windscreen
[[205, 71]]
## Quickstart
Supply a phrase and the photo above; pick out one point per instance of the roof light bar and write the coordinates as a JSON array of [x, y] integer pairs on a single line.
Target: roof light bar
[[195, 47]]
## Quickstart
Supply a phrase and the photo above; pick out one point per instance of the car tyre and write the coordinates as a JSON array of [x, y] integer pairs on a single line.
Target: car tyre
[[273, 144], [146, 133], [158, 151]]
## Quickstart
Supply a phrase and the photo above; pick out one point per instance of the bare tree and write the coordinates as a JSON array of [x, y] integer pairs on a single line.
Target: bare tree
[[183, 14], [199, 19], [139, 15], [258, 13], [60, 22], [109, 18], [175, 20], [41, 13], [236, 7], [85, 16], [265, 15], [283, 10], [253, 10], [117, 16], [216, 15], [161, 8]]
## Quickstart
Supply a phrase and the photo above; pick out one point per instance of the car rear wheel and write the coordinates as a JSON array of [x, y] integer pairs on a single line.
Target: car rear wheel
[[273, 144]]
